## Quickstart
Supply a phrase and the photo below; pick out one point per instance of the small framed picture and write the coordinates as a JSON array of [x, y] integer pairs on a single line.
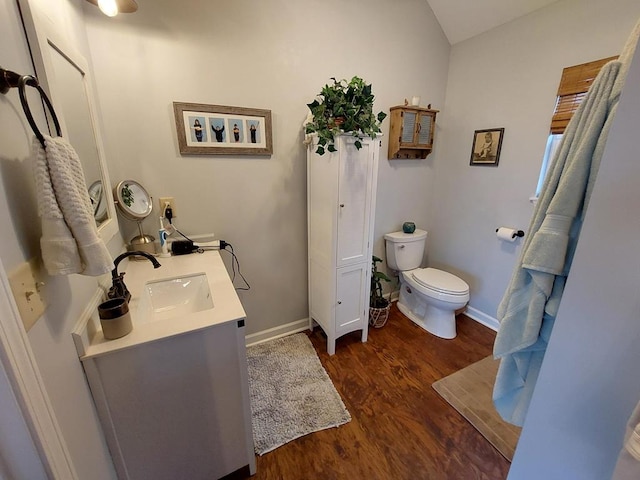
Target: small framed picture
[[221, 130], [486, 147]]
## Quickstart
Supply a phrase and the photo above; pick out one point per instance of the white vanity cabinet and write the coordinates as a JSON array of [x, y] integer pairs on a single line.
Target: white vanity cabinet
[[174, 408], [341, 193], [173, 395]]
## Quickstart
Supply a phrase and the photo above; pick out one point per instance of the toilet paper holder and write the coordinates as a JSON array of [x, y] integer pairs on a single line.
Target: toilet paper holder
[[518, 233]]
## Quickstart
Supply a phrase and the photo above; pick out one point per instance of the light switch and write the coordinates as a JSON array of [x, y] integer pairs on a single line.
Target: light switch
[[26, 285]]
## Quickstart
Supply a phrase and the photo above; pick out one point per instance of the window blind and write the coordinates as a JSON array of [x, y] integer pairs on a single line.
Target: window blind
[[574, 84]]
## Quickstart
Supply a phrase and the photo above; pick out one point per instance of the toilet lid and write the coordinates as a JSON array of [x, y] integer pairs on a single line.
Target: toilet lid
[[441, 281]]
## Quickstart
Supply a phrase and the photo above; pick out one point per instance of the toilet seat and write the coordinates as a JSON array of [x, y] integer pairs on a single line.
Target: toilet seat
[[440, 283]]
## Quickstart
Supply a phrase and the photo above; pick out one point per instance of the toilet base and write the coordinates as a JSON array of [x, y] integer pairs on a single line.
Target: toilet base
[[437, 321]]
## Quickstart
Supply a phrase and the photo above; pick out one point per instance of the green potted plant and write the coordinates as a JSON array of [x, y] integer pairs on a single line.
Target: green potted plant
[[379, 306], [343, 106]]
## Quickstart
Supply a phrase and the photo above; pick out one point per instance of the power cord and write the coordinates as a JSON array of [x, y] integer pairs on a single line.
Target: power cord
[[168, 214], [234, 262], [183, 234], [223, 246]]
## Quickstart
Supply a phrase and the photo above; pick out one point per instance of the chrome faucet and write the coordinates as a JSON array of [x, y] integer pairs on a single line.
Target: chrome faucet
[[119, 289]]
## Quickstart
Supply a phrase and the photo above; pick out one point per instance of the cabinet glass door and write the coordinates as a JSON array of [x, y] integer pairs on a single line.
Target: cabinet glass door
[[409, 123], [424, 129]]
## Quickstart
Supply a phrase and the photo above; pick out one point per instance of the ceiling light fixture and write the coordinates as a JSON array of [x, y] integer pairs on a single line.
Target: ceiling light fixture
[[112, 7], [108, 7]]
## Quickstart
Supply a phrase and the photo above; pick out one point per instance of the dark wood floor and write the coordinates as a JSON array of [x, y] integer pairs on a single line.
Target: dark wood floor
[[400, 428]]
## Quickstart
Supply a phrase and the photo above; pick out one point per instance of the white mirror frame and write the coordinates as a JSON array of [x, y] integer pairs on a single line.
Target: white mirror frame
[[43, 36]]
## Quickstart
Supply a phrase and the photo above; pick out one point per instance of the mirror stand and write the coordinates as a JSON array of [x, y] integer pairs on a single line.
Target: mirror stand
[[143, 241]]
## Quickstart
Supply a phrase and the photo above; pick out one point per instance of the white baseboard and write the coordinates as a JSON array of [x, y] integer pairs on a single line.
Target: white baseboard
[[482, 318], [277, 332]]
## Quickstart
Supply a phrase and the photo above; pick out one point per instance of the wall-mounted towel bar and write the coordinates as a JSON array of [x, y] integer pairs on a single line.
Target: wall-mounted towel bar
[[9, 79]]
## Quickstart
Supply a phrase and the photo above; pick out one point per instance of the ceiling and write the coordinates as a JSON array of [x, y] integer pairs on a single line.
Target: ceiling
[[463, 19]]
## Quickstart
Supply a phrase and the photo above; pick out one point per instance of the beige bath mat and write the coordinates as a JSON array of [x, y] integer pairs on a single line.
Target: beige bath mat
[[469, 392]]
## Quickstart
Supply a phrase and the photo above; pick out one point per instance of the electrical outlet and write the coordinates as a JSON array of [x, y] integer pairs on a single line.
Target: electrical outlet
[[26, 285], [171, 201]]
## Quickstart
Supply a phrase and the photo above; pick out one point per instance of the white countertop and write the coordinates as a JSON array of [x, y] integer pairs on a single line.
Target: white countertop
[[227, 306]]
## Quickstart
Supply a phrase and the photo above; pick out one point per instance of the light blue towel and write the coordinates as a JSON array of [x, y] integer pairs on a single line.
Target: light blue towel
[[628, 465], [530, 304]]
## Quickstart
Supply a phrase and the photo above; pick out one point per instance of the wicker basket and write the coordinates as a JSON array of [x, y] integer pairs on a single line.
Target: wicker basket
[[378, 316]]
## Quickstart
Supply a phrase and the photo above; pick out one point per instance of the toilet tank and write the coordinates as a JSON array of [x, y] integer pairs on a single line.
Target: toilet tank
[[405, 250]]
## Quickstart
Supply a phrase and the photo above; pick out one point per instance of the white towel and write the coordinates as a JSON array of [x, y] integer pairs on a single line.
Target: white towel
[[70, 242]]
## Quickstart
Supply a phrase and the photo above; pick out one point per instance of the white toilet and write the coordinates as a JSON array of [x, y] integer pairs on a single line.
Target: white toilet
[[429, 297]]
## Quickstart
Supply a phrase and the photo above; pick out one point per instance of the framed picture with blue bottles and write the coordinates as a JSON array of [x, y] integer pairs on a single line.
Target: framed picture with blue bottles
[[222, 130]]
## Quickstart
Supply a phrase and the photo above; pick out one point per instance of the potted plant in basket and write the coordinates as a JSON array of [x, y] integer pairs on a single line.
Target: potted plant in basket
[[378, 305], [344, 106]]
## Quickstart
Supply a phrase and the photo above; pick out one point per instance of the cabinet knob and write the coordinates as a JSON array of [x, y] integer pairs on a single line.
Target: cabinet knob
[[342, 205], [339, 302], [402, 246]]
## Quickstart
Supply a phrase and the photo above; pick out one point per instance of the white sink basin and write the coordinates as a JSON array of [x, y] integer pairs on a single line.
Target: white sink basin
[[174, 298]]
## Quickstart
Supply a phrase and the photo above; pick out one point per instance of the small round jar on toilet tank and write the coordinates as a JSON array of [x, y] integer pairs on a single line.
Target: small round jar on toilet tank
[[408, 227]]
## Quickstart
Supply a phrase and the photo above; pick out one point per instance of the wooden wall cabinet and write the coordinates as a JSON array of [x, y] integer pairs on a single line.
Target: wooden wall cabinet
[[411, 132], [341, 194]]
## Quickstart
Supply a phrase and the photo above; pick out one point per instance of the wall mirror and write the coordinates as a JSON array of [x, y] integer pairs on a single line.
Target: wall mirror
[[64, 74], [98, 202]]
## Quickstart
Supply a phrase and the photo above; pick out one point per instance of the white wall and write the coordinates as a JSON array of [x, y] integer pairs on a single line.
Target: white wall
[[507, 77], [18, 455], [66, 296], [589, 383], [275, 55]]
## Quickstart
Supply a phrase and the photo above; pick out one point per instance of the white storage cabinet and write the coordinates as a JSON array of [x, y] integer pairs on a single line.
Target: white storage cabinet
[[341, 194]]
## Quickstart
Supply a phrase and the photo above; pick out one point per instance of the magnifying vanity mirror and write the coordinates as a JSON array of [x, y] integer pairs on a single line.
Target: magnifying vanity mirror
[[135, 204], [64, 74]]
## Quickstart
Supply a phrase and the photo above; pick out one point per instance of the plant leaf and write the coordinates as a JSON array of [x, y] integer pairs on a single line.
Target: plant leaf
[[382, 276], [320, 150], [352, 100]]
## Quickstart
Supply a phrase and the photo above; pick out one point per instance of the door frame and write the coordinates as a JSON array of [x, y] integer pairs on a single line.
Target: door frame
[[19, 363]]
